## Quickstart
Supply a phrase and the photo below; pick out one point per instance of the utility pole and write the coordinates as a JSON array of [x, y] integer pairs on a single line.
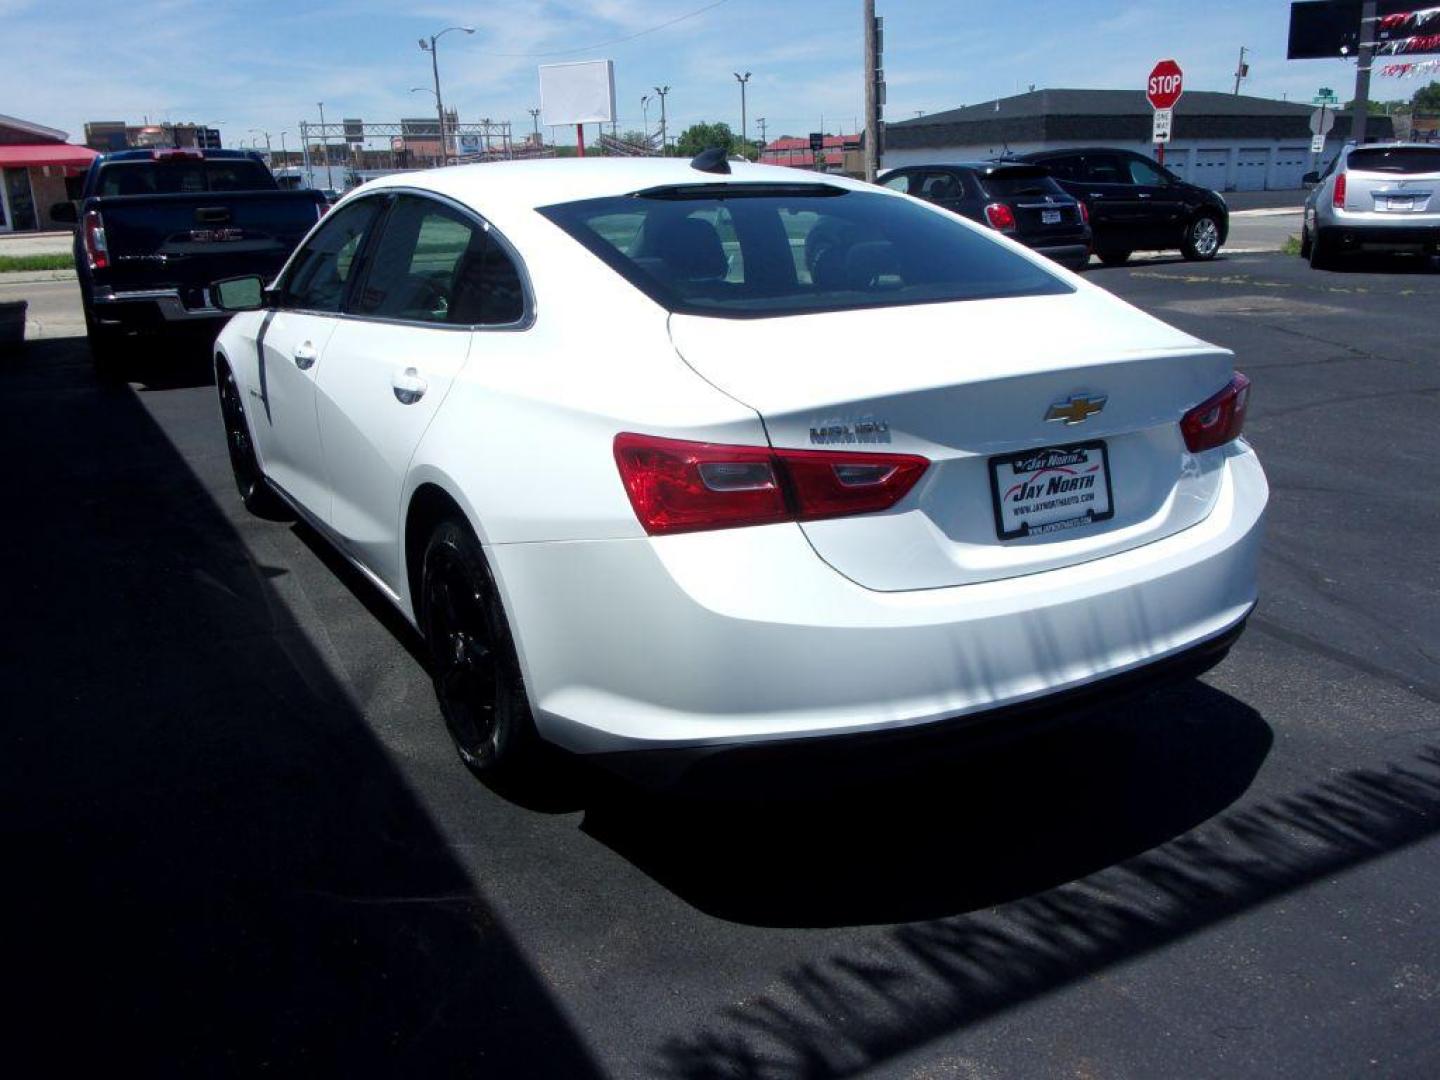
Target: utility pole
[[872, 105], [744, 129], [664, 131], [325, 140], [764, 138], [1362, 72], [284, 154], [435, 70], [535, 119], [1241, 68]]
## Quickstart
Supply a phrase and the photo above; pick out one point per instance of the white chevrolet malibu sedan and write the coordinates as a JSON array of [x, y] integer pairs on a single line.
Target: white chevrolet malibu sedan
[[670, 455]]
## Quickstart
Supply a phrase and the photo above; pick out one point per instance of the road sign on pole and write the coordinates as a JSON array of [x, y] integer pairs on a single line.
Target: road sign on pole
[[1163, 89], [1165, 85], [1160, 130], [1321, 121]]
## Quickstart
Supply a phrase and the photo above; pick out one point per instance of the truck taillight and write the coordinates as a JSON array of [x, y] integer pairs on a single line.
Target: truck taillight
[[92, 232], [1218, 419], [679, 486], [1338, 197], [1000, 217]]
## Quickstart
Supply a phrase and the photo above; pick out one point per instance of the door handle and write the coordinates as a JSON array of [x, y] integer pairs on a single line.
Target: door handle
[[305, 356], [409, 387], [1144, 194]]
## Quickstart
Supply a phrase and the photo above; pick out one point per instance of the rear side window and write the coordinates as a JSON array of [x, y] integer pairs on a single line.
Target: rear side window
[[937, 186], [183, 176], [1105, 169], [1405, 160], [434, 264], [1066, 167], [754, 250], [1007, 183]]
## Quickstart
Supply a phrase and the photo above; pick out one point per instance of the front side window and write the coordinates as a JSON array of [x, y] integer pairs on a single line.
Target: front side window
[[1144, 173], [755, 250], [435, 264], [322, 267]]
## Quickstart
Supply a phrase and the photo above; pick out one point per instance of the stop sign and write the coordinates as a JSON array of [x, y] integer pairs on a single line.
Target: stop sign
[[1165, 85]]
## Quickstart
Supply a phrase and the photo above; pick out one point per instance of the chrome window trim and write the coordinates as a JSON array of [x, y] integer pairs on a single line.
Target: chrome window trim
[[527, 317]]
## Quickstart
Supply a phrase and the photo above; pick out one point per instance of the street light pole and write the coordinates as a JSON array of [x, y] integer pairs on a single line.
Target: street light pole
[[284, 154], [664, 131], [744, 133], [645, 114], [325, 139], [535, 118], [431, 48]]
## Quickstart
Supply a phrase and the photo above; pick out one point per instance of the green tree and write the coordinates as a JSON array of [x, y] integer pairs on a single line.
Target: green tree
[[1427, 98], [702, 136]]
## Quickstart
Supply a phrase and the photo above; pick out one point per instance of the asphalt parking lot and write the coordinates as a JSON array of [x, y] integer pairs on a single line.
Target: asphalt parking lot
[[240, 843]]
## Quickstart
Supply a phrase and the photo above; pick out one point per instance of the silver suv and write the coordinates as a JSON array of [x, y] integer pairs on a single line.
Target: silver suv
[[1378, 197]]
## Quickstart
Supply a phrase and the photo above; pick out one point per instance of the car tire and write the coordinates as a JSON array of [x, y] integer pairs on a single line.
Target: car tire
[[109, 349], [255, 493], [1202, 238], [1305, 244], [1113, 256], [472, 659], [1321, 255]]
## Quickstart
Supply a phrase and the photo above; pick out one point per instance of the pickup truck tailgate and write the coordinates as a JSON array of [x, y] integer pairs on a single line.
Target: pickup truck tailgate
[[190, 240]]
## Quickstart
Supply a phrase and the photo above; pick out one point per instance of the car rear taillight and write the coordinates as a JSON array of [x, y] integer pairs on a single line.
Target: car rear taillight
[[1000, 217], [1337, 198], [1219, 419], [679, 486], [93, 234], [1084, 214]]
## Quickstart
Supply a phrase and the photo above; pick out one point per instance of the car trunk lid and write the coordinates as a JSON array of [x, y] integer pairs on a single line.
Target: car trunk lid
[[1393, 180], [969, 385]]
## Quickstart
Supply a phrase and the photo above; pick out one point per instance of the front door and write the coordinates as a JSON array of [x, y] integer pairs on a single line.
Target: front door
[[435, 275], [1161, 215], [292, 344], [1117, 214]]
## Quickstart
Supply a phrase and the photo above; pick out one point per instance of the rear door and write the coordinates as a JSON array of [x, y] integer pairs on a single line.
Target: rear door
[[437, 276], [292, 345], [1403, 181]]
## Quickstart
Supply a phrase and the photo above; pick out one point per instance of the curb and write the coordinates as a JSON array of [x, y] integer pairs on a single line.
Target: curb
[[1281, 211], [26, 277]]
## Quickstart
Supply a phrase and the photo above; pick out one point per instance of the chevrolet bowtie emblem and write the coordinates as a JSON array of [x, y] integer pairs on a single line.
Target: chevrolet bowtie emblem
[[1077, 409]]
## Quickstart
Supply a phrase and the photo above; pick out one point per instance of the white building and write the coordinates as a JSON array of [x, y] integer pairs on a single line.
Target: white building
[[1227, 142]]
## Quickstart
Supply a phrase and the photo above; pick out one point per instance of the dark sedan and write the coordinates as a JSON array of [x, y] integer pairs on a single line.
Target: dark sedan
[[1138, 205], [1020, 200]]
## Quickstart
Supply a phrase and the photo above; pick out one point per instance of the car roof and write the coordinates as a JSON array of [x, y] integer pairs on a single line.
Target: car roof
[[522, 185]]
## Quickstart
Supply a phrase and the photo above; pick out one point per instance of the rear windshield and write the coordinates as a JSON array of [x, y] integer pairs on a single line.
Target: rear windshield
[[1006, 183], [1395, 159], [754, 250], [183, 175]]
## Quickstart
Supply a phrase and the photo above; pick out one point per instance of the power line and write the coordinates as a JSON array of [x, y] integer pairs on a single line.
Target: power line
[[614, 41]]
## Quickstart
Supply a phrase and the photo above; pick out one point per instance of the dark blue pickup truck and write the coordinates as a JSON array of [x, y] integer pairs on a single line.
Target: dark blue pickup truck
[[156, 227]]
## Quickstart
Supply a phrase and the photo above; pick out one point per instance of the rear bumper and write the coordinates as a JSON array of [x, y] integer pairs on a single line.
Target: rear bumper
[[1077, 254], [744, 636], [139, 309], [1355, 232]]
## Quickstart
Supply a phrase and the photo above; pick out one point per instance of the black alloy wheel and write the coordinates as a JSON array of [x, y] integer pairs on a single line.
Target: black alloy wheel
[[250, 482], [472, 658]]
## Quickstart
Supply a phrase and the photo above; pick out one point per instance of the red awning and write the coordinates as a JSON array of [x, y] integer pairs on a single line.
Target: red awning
[[26, 155]]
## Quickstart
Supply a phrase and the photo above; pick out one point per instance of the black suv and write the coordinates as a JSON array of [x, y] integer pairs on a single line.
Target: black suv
[[1138, 205], [1021, 201]]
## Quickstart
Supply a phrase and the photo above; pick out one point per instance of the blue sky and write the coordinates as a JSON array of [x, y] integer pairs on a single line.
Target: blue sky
[[265, 63]]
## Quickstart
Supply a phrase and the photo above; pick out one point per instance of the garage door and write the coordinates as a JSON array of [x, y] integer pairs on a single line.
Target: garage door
[[1178, 162], [1291, 163], [1209, 170], [1250, 170]]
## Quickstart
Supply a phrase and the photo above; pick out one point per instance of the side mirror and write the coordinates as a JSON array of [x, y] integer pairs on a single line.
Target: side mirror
[[239, 293], [65, 213], [1310, 178]]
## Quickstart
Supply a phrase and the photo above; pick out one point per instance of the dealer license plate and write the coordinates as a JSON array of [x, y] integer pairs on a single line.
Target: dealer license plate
[[1050, 217], [1050, 489]]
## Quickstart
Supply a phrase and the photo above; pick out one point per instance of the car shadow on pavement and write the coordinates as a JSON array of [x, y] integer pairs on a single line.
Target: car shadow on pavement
[[212, 867], [904, 987], [955, 833]]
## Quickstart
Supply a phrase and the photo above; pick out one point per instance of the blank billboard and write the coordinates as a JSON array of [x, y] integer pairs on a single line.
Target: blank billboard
[[580, 93]]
